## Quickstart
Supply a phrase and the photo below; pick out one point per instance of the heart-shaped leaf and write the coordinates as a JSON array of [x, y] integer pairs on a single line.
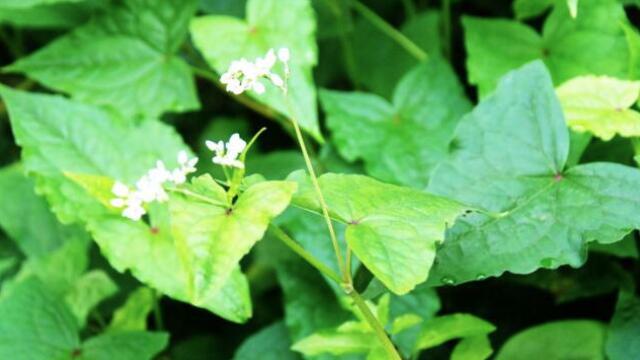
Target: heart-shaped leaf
[[125, 59], [510, 160]]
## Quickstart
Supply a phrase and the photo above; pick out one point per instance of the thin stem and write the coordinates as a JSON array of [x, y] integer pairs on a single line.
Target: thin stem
[[446, 27], [157, 312], [296, 248], [406, 43], [316, 185], [349, 264], [375, 324]]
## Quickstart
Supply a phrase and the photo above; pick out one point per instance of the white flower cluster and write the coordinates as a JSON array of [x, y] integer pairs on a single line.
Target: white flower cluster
[[245, 75], [229, 156], [150, 187]]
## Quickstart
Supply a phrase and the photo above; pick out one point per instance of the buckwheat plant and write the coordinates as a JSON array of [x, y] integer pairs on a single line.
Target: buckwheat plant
[[244, 75]]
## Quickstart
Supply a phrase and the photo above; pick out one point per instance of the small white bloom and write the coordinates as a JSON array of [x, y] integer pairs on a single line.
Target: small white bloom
[[276, 80], [258, 87], [218, 147], [284, 54], [227, 154], [120, 190], [236, 145], [134, 213]]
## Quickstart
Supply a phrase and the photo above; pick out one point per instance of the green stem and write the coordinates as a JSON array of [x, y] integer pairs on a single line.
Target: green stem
[[300, 251], [406, 43], [157, 312], [375, 324], [446, 27], [316, 185]]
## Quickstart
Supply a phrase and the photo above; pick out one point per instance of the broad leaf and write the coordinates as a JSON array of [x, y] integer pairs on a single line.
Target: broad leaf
[[59, 135], [132, 345], [216, 237], [472, 348], [539, 213], [601, 105], [268, 24], [26, 218], [449, 327], [392, 230], [125, 59], [48, 14], [338, 341], [374, 51], [310, 305], [592, 43], [132, 315], [270, 343], [402, 141], [35, 325], [87, 292], [622, 338], [560, 340], [524, 9]]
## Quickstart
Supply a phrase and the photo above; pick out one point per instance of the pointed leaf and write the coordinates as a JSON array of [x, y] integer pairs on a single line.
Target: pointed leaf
[[551, 341], [87, 292], [132, 315], [400, 142], [59, 135], [540, 215], [124, 59], [593, 43], [622, 338], [449, 327], [393, 230], [132, 345], [601, 105], [35, 325]]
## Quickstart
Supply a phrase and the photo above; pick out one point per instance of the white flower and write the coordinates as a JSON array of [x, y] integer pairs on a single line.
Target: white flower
[[150, 186], [227, 154], [244, 75], [127, 199], [284, 54], [187, 166]]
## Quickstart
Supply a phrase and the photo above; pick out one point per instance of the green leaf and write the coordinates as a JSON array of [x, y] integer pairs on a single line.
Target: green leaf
[[593, 43], [622, 338], [26, 218], [125, 59], [625, 248], [392, 230], [153, 259], [269, 343], [472, 348], [530, 8], [539, 214], [449, 327], [132, 345], [374, 51], [336, 342], [216, 237], [55, 14], [132, 315], [87, 292], [268, 24], [60, 269], [35, 325], [560, 340], [310, 305], [402, 141], [601, 105], [59, 135]]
